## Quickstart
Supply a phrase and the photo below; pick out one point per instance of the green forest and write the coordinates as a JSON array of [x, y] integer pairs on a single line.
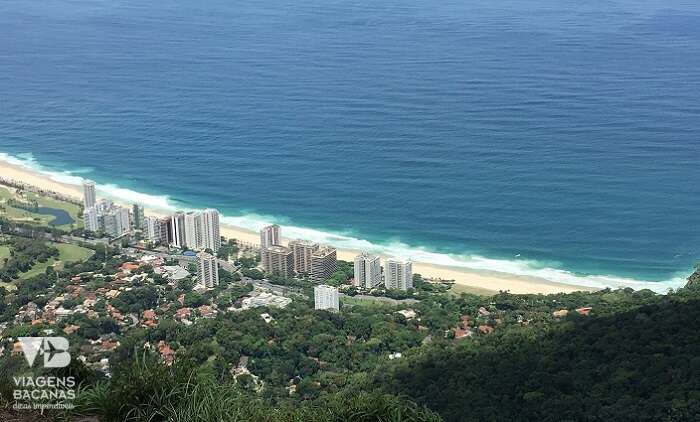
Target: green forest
[[609, 355]]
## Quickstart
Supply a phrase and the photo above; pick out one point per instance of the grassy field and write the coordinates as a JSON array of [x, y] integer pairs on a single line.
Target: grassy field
[[20, 215], [67, 254], [4, 252]]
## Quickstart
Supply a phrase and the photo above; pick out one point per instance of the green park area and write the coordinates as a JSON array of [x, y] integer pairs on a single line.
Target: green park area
[[66, 254], [32, 208]]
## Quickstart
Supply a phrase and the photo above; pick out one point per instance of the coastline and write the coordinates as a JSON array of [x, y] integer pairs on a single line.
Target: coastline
[[480, 279]]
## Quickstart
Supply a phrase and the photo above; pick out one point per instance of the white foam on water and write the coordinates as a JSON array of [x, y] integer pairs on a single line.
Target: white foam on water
[[255, 222]]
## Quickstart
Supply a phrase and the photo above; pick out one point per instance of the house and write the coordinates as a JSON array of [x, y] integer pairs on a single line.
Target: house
[[109, 345], [149, 318], [70, 329], [267, 317], [129, 267], [407, 313], [183, 313], [560, 313], [485, 329], [584, 311], [206, 311]]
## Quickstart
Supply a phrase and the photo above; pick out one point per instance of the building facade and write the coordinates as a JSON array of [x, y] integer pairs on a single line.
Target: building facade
[[116, 221], [89, 195], [91, 220], [207, 270], [211, 230], [302, 251], [176, 230], [324, 263], [368, 271], [326, 297], [193, 231], [398, 274], [137, 217], [270, 236], [278, 260], [156, 229]]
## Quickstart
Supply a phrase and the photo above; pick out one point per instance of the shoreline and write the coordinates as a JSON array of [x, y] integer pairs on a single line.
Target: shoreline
[[479, 279]]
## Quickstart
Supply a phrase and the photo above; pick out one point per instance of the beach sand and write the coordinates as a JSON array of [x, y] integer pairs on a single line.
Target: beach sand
[[493, 281]]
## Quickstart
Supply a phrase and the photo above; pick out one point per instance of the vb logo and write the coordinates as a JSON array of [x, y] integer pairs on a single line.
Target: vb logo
[[54, 350]]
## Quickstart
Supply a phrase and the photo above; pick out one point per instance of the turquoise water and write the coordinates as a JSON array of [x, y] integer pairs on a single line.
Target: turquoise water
[[549, 138]]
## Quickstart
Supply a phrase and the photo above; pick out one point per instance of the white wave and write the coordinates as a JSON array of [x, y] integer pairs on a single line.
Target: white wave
[[155, 202], [521, 267], [111, 191], [255, 222]]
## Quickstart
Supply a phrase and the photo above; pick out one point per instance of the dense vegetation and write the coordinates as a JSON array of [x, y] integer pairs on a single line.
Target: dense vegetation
[[24, 253], [637, 365], [619, 355], [634, 358]]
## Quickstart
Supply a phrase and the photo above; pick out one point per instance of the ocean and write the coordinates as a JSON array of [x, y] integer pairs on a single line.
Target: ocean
[[549, 138]]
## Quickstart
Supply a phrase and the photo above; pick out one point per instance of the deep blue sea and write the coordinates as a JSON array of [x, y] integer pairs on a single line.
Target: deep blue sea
[[549, 137]]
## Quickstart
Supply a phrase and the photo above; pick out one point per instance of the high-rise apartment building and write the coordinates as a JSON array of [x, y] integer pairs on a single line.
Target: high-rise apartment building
[[302, 251], [193, 231], [156, 229], [368, 271], [176, 230], [398, 274], [91, 219], [89, 196], [116, 221], [270, 236], [207, 270], [326, 297], [211, 232], [137, 217], [324, 263], [278, 260]]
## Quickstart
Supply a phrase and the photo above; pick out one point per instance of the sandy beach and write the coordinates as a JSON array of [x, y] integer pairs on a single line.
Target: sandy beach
[[468, 278]]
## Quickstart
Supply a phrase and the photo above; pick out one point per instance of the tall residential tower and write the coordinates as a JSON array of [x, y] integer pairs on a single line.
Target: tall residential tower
[[398, 274], [89, 197], [368, 271], [207, 270]]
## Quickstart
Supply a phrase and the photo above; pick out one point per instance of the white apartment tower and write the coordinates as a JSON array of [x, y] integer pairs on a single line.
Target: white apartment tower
[[211, 233], [207, 270], [89, 197], [326, 297], [324, 262], [116, 221], [368, 271], [303, 251], [193, 231], [398, 274], [151, 229], [270, 236], [91, 220], [176, 230]]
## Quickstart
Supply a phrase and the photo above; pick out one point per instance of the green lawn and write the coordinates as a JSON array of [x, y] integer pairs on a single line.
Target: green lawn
[[67, 253], [4, 252]]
